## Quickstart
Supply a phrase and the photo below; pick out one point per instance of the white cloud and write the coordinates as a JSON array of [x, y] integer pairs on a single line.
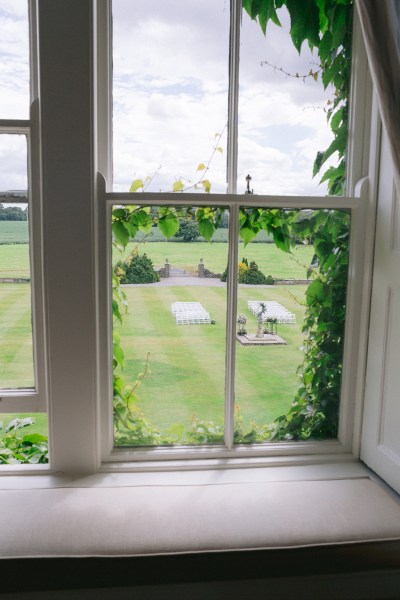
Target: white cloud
[[14, 57]]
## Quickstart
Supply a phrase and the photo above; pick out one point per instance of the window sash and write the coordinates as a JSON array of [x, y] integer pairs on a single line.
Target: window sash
[[357, 207], [22, 400]]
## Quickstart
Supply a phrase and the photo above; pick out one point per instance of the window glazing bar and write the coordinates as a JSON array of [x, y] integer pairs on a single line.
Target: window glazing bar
[[231, 325], [233, 96]]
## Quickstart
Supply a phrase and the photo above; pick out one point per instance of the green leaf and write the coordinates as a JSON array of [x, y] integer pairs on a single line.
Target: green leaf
[[337, 145], [317, 163], [34, 438], [336, 120], [247, 234], [136, 185], [120, 232], [304, 19], [339, 25], [206, 185], [177, 186], [201, 167], [206, 229], [325, 46], [168, 225]]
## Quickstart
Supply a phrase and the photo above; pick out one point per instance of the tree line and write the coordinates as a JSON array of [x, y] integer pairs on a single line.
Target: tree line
[[13, 213]]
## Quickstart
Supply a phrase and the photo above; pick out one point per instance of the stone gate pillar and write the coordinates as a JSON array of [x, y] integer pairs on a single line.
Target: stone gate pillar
[[201, 268]]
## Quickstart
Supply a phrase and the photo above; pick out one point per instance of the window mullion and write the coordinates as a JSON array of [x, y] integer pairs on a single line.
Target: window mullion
[[233, 98], [231, 325]]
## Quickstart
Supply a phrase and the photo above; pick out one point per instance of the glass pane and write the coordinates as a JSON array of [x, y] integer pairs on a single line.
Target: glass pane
[[14, 59], [16, 348], [282, 117], [290, 330], [13, 166], [173, 334], [170, 89]]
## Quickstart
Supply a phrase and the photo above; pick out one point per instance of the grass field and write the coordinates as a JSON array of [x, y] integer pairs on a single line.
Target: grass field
[[187, 362], [14, 231], [16, 364]]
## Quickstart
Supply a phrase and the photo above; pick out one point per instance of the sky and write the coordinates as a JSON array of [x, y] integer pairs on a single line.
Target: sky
[[170, 97]]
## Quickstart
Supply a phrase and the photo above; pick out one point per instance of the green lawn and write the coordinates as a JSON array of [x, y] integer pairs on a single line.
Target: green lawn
[[187, 362], [16, 364]]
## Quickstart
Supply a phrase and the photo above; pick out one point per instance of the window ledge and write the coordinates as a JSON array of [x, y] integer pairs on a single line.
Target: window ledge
[[131, 515]]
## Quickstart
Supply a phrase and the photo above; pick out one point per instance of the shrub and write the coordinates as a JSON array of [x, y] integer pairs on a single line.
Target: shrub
[[188, 230], [138, 268], [16, 448], [253, 275]]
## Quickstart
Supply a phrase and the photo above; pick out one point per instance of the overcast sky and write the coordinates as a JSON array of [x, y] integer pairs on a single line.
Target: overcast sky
[[171, 95]]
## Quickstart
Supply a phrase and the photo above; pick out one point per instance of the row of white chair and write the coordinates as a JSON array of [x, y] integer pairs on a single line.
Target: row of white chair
[[274, 310], [189, 313]]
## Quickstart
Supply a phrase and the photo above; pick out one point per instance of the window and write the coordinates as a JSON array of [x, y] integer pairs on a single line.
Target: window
[[147, 92], [22, 381], [71, 202]]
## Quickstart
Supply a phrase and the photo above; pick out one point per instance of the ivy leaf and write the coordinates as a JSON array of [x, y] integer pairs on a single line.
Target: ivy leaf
[[136, 185], [304, 19], [325, 46], [168, 225], [317, 163], [339, 25], [337, 145], [34, 438], [177, 186], [336, 119], [120, 232], [206, 185], [247, 234], [206, 229]]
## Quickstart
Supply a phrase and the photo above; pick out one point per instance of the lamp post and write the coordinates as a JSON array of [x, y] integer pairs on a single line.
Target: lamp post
[[248, 190]]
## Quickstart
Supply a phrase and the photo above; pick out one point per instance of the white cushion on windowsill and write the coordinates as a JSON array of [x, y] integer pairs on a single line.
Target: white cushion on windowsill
[[198, 517]]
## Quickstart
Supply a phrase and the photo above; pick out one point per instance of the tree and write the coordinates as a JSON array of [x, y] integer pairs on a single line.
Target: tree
[[188, 230]]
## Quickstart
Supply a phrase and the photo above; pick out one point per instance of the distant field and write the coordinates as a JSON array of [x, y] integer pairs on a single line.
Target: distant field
[[14, 260], [14, 231]]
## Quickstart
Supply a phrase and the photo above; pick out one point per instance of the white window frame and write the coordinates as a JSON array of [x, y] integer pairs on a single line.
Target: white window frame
[[72, 206], [31, 400], [351, 397]]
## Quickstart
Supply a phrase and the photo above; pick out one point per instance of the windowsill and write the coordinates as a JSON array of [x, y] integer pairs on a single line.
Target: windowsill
[[143, 514]]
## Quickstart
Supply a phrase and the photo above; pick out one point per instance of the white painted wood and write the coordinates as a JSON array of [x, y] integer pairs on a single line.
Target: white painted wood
[[380, 444], [66, 93]]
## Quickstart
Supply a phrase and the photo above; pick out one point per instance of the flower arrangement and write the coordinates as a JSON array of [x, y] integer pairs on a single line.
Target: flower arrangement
[[242, 320]]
